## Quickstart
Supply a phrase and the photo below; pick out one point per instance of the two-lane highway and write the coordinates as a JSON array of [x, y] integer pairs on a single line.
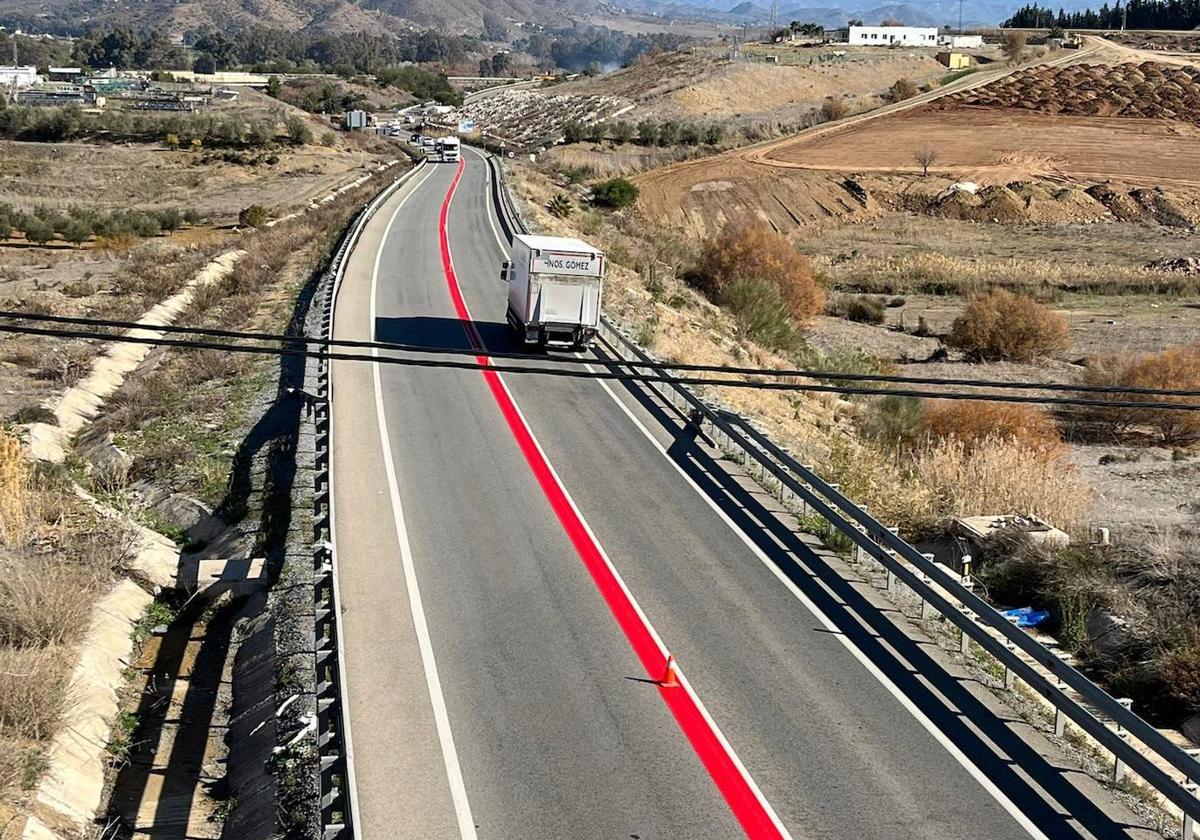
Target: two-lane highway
[[517, 555]]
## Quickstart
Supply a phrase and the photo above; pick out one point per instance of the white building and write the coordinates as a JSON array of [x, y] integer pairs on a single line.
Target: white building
[[885, 36], [18, 76], [961, 42]]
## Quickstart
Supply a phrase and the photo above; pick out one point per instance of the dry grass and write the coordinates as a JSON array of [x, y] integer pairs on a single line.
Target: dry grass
[[14, 491], [32, 690], [999, 475], [43, 602], [935, 273]]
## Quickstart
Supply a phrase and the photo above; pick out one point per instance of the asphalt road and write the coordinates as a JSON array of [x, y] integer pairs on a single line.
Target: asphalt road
[[492, 691]]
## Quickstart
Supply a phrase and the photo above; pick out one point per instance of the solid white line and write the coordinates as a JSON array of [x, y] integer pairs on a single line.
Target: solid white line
[[348, 734], [720, 736], [871, 667], [458, 790]]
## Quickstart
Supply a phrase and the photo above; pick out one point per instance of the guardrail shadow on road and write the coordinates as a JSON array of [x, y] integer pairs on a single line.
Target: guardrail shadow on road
[[448, 333], [949, 704]]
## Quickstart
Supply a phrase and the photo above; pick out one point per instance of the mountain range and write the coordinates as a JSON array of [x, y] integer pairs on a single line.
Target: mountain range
[[466, 16]]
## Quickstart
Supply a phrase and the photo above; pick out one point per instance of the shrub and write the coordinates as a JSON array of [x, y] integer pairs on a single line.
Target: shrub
[[753, 250], [865, 309], [1001, 325], [762, 314], [903, 89], [169, 219], [32, 690], [253, 216], [973, 421], [1013, 44], [298, 131], [615, 193], [834, 108], [1174, 368], [893, 421], [43, 603], [560, 206]]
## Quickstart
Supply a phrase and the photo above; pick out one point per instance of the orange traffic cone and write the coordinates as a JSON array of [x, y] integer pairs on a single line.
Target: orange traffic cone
[[670, 677]]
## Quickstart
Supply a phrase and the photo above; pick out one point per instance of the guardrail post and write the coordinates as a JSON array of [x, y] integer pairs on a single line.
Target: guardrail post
[[1118, 771], [927, 609], [1060, 717], [1010, 676], [1189, 822], [804, 502], [860, 553], [964, 639], [891, 576]]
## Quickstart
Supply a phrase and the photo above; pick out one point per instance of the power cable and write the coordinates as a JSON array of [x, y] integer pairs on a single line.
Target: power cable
[[585, 374], [728, 370]]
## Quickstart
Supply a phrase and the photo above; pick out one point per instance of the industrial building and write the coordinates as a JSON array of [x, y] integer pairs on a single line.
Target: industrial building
[[886, 36], [961, 42], [17, 77]]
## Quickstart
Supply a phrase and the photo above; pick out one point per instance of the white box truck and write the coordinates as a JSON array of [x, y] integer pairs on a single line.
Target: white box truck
[[448, 149], [554, 289]]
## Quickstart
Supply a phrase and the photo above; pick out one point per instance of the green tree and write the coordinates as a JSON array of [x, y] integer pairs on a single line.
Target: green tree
[[622, 131], [76, 231], [38, 231], [574, 132], [298, 131], [647, 132], [668, 133], [713, 133], [274, 87], [614, 193], [494, 27]]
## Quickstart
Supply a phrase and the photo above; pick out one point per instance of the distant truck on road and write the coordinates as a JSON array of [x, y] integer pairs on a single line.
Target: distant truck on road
[[448, 149], [554, 290]]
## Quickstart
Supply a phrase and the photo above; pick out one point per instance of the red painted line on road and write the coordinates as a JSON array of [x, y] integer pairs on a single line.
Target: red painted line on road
[[743, 799]]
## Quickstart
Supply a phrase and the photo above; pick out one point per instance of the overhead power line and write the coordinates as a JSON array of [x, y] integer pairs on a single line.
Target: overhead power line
[[483, 362], [727, 370]]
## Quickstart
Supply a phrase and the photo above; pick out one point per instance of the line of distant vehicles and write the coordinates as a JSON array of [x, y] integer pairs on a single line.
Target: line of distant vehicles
[[444, 149]]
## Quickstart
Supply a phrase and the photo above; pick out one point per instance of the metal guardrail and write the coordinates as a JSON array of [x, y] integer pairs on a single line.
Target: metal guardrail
[[973, 616], [334, 749]]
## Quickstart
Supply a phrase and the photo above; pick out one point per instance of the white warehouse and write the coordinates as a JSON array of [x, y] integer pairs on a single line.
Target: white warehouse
[[18, 76], [885, 36]]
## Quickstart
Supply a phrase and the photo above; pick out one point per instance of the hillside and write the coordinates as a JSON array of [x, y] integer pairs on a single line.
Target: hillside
[[378, 16]]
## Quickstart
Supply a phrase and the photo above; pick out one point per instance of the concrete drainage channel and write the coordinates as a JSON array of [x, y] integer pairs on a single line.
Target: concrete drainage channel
[[1160, 760]]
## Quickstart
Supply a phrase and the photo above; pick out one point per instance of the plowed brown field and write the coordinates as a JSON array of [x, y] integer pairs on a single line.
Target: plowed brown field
[[993, 145], [1151, 89]]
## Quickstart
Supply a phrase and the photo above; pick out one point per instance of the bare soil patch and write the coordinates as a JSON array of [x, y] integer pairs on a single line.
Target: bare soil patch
[[704, 84], [990, 145]]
